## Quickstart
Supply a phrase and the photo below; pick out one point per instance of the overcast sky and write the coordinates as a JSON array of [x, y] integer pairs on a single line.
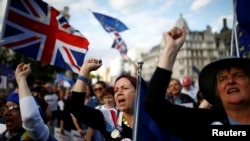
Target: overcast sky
[[146, 20]]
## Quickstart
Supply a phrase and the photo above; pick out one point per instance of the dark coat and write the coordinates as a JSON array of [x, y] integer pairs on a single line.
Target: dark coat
[[187, 123]]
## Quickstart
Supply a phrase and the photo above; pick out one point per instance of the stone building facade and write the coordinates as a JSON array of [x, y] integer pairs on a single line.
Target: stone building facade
[[199, 49]]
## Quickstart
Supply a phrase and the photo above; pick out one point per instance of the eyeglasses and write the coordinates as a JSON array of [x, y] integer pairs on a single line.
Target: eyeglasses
[[98, 89], [11, 108]]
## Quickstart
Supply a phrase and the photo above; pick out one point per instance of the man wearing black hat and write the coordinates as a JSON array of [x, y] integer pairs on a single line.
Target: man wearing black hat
[[224, 83]]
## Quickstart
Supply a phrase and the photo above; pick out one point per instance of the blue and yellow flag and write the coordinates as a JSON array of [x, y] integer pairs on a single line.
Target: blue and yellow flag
[[242, 14], [108, 22], [148, 129]]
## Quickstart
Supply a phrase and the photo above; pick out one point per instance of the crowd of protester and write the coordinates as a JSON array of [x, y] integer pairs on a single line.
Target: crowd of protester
[[55, 102], [47, 111]]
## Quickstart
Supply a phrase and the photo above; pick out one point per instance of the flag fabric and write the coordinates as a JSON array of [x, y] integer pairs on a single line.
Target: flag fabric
[[242, 14], [39, 31], [113, 26], [120, 45], [243, 41], [148, 129], [8, 71], [107, 21], [63, 80], [243, 29], [195, 69], [118, 42], [5, 69]]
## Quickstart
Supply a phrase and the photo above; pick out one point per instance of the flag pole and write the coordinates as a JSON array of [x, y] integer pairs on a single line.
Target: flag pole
[[234, 36], [235, 29], [137, 101], [3, 27], [129, 59]]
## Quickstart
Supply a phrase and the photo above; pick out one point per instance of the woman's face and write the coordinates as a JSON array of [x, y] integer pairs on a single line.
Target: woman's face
[[109, 100], [124, 95], [174, 87], [233, 87]]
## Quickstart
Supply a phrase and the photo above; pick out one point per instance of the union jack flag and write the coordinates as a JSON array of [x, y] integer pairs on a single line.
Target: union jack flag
[[118, 43], [38, 30]]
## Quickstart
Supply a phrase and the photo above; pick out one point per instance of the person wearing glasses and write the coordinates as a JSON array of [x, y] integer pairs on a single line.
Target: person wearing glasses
[[99, 88], [22, 114]]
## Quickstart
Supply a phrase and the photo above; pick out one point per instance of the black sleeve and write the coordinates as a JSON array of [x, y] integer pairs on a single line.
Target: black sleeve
[[177, 119], [157, 85], [89, 116]]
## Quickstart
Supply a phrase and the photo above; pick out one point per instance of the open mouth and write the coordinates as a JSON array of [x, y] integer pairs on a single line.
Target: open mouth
[[9, 122], [232, 90], [121, 101]]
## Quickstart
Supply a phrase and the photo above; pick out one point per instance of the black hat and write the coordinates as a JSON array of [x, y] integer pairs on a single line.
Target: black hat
[[207, 77]]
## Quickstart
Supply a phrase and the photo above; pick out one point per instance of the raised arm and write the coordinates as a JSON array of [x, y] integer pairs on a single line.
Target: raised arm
[[21, 73], [31, 118], [174, 39], [89, 116], [82, 79]]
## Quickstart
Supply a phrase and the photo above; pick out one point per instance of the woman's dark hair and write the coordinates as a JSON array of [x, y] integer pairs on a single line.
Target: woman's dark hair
[[132, 79], [102, 83], [109, 90], [39, 89]]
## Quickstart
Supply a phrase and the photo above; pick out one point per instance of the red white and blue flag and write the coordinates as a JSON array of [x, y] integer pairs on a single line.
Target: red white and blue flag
[[118, 43], [120, 46], [38, 30]]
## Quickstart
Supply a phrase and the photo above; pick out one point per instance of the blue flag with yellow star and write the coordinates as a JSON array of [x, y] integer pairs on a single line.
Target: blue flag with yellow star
[[108, 22], [243, 29]]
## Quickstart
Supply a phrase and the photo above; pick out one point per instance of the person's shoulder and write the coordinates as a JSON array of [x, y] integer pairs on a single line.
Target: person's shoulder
[[194, 88], [100, 107], [187, 97], [95, 100], [93, 97], [2, 128]]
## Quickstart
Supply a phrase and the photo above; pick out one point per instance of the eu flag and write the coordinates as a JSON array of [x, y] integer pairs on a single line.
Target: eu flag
[[244, 41], [107, 21], [242, 14], [148, 129]]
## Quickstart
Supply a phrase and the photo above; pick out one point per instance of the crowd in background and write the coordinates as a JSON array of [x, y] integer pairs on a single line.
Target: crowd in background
[[54, 99]]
